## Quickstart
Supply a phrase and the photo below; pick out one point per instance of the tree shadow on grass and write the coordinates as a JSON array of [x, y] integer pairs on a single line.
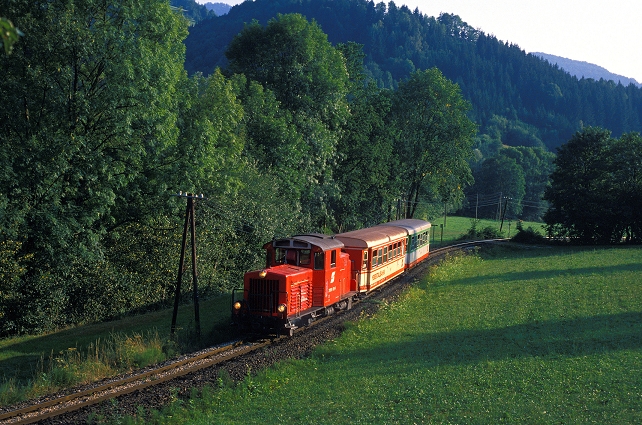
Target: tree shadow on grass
[[554, 339]]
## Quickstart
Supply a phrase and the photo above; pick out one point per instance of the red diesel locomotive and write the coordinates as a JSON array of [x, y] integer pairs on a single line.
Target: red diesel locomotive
[[314, 275]]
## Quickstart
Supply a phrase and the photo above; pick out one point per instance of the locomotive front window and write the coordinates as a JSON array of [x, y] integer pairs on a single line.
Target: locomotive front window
[[319, 261], [290, 257], [280, 254]]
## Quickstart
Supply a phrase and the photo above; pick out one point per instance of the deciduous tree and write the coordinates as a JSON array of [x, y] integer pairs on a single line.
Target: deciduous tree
[[580, 195], [293, 58], [434, 138]]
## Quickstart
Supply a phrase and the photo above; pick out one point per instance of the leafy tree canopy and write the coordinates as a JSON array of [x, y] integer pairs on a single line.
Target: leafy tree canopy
[[434, 138], [88, 118], [592, 188], [293, 59]]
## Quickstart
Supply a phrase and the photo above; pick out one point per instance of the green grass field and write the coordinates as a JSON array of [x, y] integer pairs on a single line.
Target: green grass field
[[455, 227], [513, 335], [34, 365]]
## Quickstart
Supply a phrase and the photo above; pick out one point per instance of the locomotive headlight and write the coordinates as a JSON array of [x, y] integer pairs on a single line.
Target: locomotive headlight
[[237, 305], [263, 273], [281, 308]]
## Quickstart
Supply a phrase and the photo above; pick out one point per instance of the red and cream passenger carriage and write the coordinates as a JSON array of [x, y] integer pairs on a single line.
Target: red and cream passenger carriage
[[313, 275]]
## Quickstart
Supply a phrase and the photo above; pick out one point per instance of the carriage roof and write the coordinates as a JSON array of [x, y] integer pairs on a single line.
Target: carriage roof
[[412, 225], [371, 236]]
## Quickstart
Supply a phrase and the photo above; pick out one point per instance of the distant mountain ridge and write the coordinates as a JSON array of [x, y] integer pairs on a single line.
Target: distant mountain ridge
[[581, 69], [219, 8]]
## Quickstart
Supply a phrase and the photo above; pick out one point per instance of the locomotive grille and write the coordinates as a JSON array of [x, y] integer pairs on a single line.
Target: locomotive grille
[[262, 297], [300, 298]]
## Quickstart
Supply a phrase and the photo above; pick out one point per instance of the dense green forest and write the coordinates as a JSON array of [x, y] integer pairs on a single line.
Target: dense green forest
[[545, 104], [102, 125]]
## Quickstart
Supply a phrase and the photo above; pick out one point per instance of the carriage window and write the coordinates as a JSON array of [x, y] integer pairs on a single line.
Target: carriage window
[[374, 258], [380, 257], [385, 254], [304, 257], [365, 259], [333, 258], [319, 261]]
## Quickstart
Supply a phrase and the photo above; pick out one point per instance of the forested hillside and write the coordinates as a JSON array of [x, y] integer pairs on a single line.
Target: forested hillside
[[102, 126], [193, 11], [544, 103]]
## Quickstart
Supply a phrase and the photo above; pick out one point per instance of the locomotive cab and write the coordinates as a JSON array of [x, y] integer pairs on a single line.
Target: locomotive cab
[[306, 276]]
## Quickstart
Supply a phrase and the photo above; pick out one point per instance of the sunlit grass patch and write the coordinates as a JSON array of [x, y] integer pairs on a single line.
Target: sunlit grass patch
[[509, 336]]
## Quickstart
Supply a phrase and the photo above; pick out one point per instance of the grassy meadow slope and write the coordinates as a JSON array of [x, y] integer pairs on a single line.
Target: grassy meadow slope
[[514, 335]]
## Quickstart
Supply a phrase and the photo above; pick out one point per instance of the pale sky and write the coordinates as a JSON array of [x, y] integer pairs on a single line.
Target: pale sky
[[605, 33]]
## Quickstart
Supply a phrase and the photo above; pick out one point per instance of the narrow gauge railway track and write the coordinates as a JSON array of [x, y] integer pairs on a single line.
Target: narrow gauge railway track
[[157, 386]]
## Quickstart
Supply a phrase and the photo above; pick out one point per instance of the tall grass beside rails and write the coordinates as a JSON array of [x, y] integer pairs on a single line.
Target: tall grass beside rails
[[59, 370], [513, 335], [31, 366]]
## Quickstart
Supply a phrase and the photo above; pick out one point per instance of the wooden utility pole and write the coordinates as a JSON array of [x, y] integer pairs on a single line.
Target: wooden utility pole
[[191, 223]]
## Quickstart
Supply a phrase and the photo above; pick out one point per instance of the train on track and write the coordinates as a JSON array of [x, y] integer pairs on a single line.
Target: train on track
[[313, 275]]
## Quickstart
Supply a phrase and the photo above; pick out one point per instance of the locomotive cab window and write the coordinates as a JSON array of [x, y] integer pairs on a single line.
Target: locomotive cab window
[[304, 257], [333, 258], [319, 261]]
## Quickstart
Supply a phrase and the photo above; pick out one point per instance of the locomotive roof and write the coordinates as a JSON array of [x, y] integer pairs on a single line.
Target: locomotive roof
[[413, 225], [371, 236], [325, 242]]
